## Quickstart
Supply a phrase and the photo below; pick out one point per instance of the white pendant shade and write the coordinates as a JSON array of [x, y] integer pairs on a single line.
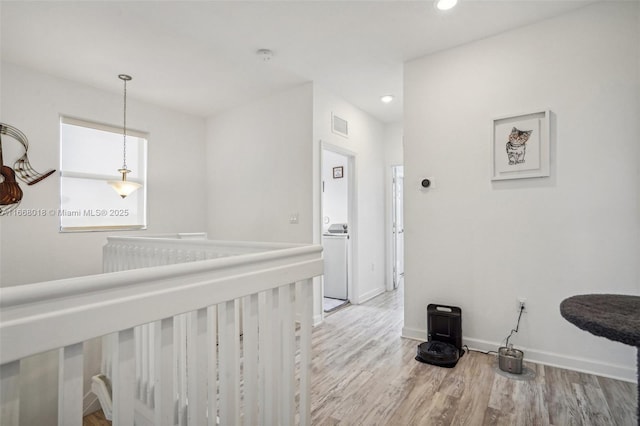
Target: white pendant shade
[[123, 187]]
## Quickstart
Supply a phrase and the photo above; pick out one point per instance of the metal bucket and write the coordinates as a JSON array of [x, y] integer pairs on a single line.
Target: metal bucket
[[510, 360]]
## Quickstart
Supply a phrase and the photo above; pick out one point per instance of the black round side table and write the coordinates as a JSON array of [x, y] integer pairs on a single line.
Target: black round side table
[[614, 316]]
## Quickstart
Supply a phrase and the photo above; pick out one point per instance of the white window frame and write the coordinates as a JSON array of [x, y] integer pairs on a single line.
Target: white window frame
[[102, 222]]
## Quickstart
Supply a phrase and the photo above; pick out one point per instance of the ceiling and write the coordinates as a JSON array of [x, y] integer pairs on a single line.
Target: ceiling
[[200, 56]]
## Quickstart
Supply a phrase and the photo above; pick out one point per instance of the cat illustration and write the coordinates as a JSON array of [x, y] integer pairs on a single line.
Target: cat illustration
[[517, 145]]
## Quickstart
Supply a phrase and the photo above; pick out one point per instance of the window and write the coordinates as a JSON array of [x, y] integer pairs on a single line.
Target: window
[[90, 156]]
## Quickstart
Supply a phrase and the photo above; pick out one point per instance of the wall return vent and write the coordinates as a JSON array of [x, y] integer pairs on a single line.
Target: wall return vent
[[339, 126]]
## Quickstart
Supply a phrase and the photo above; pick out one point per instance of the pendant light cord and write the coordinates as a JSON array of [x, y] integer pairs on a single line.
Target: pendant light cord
[[124, 129]]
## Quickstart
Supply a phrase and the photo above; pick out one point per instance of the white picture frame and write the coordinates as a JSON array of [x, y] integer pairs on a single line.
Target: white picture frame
[[520, 146]]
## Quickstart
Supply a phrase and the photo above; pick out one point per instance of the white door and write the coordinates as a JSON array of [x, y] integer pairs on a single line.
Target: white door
[[398, 225]]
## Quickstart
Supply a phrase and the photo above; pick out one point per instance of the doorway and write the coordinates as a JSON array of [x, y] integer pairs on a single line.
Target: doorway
[[337, 232], [397, 227]]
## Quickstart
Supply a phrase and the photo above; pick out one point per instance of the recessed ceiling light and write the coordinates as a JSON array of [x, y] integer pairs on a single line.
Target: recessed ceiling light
[[445, 4], [386, 98]]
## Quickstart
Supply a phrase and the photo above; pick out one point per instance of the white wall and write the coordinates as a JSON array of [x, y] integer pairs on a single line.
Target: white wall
[[262, 166], [480, 245], [366, 137], [259, 169], [33, 102], [393, 144], [32, 248]]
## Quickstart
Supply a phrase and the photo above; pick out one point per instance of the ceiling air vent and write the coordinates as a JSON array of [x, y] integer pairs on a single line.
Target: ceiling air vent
[[339, 126]]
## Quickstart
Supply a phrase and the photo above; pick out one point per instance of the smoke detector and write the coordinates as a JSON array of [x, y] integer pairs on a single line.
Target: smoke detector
[[265, 54]]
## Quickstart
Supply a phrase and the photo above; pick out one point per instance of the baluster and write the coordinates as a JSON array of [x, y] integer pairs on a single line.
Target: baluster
[[108, 348], [138, 353], [197, 367], [276, 360], [70, 372], [148, 256], [250, 358], [229, 370], [10, 393], [143, 371], [181, 367], [269, 356], [134, 258], [212, 369], [305, 307], [106, 257], [151, 360], [163, 388], [123, 379], [288, 358], [172, 256]]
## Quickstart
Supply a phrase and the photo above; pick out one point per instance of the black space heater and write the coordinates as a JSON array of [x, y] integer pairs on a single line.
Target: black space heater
[[444, 345]]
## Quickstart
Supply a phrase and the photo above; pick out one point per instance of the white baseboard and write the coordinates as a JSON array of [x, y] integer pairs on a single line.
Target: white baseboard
[[370, 295], [583, 365], [317, 319], [90, 404], [414, 334]]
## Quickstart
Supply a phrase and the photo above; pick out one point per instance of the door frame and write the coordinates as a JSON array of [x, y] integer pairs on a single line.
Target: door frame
[[391, 243], [352, 217]]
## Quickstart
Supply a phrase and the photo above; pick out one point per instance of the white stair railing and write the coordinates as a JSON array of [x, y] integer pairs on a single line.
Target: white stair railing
[[227, 379]]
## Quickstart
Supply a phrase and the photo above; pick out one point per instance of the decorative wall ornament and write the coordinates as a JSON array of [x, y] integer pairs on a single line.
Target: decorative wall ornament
[[10, 191], [520, 146]]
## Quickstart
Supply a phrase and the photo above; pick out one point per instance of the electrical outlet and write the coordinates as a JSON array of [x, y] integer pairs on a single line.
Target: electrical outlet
[[521, 302]]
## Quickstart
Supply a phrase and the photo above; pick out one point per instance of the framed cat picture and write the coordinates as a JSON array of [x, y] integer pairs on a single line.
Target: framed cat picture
[[520, 146]]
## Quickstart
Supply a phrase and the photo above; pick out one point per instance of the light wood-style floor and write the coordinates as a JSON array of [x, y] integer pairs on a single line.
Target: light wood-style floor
[[364, 374]]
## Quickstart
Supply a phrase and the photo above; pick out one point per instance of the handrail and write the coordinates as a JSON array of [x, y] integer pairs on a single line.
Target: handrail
[[64, 312], [182, 239], [45, 291]]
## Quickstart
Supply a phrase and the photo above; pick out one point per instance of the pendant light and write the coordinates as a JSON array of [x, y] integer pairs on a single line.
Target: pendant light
[[124, 187]]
